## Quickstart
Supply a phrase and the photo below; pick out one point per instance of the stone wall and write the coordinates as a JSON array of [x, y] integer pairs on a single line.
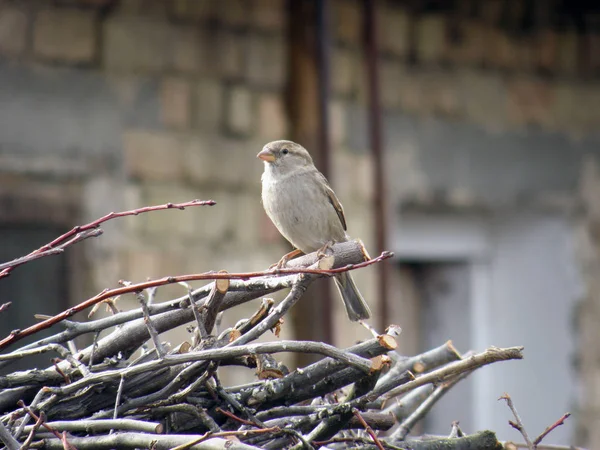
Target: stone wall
[[109, 105]]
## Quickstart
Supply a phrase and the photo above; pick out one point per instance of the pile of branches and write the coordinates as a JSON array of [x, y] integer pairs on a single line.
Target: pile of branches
[[128, 389]]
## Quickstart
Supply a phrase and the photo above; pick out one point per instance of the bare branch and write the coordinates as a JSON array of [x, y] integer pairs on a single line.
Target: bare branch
[[491, 355], [66, 239], [19, 334], [10, 442], [518, 425], [549, 429]]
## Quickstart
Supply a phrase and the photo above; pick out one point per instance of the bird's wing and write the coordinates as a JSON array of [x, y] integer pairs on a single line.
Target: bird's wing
[[339, 209]]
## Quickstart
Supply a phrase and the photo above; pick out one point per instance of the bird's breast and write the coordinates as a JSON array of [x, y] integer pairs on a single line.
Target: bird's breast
[[301, 212]]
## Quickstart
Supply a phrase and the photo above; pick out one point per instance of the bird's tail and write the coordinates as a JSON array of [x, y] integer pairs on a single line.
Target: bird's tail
[[355, 304]]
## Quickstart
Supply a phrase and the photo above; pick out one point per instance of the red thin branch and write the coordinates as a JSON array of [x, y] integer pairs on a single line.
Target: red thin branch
[[95, 224], [547, 431], [34, 416], [210, 434], [55, 361], [36, 426], [369, 430], [5, 306], [234, 417], [16, 335]]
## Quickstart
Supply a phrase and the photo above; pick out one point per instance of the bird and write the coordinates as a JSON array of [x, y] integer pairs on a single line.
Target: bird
[[303, 207]]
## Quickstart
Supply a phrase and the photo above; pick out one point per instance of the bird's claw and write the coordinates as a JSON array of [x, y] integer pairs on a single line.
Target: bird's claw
[[284, 260], [325, 250]]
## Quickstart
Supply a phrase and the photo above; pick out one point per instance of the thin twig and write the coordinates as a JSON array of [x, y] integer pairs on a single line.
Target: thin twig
[[150, 325], [276, 313], [36, 400], [8, 439], [118, 398], [240, 291], [213, 303], [549, 429], [510, 444], [99, 425], [33, 430], [7, 267], [455, 431], [197, 316], [225, 434], [234, 417], [16, 335], [67, 238], [518, 425], [46, 426], [489, 356], [369, 430], [219, 354], [94, 345], [423, 409]]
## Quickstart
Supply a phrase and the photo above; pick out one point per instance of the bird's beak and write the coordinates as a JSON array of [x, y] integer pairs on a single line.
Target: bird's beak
[[266, 155]]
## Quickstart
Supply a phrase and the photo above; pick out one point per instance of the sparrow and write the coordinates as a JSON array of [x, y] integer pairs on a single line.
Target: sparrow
[[301, 204]]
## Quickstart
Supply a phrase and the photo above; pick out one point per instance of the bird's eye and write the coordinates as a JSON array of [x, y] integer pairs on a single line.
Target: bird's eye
[[285, 151]]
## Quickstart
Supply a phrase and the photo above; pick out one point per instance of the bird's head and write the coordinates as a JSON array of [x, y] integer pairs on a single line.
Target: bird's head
[[284, 156]]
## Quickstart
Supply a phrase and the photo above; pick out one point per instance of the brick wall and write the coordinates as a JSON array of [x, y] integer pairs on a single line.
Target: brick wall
[[152, 102]]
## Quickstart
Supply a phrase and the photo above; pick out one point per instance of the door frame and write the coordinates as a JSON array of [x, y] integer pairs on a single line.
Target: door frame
[[440, 237]]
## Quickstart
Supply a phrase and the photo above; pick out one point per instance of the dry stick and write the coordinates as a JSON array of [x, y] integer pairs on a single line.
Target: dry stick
[[181, 395], [132, 440], [549, 429], [10, 442], [197, 316], [369, 430], [33, 429], [431, 359], [225, 434], [63, 352], [338, 415], [107, 293], [150, 325], [237, 405], [207, 421], [518, 425], [511, 445], [489, 356], [118, 397], [286, 388], [63, 440], [266, 306], [403, 407], [95, 426], [167, 390], [298, 289], [94, 345], [483, 440], [96, 223], [345, 253], [6, 267], [455, 431], [213, 303], [5, 306], [424, 408], [219, 354], [36, 400]]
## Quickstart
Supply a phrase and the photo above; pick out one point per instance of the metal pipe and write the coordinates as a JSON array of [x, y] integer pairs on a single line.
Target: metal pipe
[[376, 142], [323, 59]]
